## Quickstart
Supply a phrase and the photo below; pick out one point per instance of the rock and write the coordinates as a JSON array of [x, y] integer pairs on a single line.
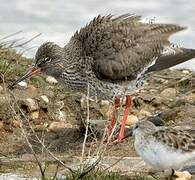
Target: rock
[[23, 84], [56, 126], [1, 125], [143, 113], [185, 72], [190, 98], [29, 104], [43, 102], [168, 93], [169, 115], [56, 113], [131, 120], [45, 98], [1, 89], [105, 103], [51, 80], [60, 115], [34, 115], [106, 108], [185, 175]]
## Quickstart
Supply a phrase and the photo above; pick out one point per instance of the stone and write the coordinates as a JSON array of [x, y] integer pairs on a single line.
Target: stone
[[143, 113], [185, 175], [29, 104], [23, 84], [190, 98], [57, 126], [185, 72], [169, 93], [51, 80], [105, 103], [106, 108], [34, 115], [131, 120], [44, 98], [60, 115]]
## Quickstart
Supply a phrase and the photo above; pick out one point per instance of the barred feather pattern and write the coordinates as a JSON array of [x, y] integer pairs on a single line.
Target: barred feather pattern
[[109, 53]]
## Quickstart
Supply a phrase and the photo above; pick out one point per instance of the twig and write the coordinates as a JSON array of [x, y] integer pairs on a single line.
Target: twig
[[89, 169], [86, 131], [8, 36], [22, 44]]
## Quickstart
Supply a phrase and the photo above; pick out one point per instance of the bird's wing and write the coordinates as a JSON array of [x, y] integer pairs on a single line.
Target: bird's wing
[[176, 139], [122, 46]]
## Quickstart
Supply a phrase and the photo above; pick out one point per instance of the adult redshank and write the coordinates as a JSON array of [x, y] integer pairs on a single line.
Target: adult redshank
[[110, 55]]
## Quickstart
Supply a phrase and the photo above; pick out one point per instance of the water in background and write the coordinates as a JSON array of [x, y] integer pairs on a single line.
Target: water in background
[[58, 20]]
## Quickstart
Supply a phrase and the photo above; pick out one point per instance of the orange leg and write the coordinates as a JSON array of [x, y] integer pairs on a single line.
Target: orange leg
[[123, 122], [113, 116]]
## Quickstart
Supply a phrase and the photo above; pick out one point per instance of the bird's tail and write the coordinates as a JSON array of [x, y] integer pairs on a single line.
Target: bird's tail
[[179, 55]]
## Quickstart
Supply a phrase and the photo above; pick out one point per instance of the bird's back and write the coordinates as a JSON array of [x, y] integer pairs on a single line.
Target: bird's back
[[121, 47]]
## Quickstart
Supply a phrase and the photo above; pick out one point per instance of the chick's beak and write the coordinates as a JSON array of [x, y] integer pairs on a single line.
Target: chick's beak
[[31, 72]]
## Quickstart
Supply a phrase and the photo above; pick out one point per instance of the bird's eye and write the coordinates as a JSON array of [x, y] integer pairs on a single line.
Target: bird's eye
[[136, 126], [47, 59]]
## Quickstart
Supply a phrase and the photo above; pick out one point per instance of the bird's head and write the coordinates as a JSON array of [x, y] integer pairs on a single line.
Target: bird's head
[[143, 128], [46, 58]]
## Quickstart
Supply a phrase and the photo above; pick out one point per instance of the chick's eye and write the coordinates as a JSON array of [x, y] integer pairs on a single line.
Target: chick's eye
[[136, 126]]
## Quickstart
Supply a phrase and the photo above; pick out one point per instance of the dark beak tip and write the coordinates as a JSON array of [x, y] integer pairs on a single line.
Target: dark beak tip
[[29, 73]]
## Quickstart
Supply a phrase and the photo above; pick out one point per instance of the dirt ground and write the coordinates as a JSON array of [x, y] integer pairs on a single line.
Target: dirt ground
[[169, 93]]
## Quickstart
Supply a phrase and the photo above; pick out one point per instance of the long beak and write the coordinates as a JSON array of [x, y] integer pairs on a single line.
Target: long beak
[[32, 71]]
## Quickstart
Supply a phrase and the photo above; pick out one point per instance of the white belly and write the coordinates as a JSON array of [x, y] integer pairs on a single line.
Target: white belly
[[161, 157]]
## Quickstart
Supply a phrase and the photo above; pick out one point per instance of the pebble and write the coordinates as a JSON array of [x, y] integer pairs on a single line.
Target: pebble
[[168, 93], [185, 175], [106, 108], [31, 104], [51, 80], [34, 115], [45, 98], [60, 115], [185, 72], [56, 126], [143, 113], [105, 103], [131, 120], [190, 97], [23, 84]]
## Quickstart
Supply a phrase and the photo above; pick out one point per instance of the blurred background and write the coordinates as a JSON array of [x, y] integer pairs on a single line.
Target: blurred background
[[58, 20]]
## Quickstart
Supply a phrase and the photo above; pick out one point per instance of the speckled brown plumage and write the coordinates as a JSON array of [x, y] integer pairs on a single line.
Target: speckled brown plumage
[[176, 139], [111, 54]]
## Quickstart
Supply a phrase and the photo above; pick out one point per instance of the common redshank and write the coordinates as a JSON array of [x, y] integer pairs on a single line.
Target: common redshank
[[110, 55]]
